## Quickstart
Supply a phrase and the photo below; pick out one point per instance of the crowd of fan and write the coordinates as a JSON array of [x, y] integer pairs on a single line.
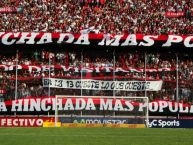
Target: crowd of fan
[[127, 61], [100, 16], [30, 83]]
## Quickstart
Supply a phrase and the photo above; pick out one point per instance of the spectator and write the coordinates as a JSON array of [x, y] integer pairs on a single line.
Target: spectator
[[112, 16]]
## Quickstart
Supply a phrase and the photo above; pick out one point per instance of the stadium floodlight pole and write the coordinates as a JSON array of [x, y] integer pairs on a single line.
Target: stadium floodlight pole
[[16, 75]]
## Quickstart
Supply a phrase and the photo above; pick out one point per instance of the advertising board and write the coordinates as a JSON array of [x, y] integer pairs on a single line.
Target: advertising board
[[170, 123], [23, 121]]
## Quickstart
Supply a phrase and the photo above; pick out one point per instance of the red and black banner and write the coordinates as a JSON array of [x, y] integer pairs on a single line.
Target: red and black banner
[[92, 103], [86, 39]]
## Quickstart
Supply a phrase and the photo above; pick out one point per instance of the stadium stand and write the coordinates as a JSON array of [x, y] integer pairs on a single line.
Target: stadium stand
[[30, 82], [98, 16], [101, 16]]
